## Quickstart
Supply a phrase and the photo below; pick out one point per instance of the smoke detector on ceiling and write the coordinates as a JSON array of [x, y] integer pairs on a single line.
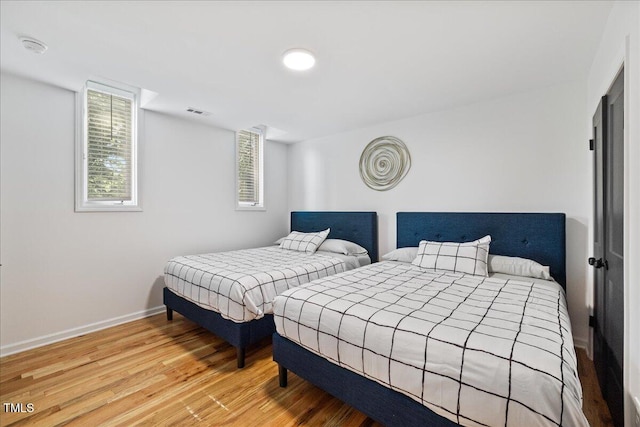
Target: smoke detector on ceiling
[[33, 45]]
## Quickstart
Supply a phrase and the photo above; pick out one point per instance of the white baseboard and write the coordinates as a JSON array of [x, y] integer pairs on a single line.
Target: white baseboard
[[74, 332], [93, 327], [581, 343]]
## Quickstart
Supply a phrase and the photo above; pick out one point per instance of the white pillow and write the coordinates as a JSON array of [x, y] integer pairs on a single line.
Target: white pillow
[[469, 257], [304, 242], [342, 247], [518, 267], [402, 254], [277, 242]]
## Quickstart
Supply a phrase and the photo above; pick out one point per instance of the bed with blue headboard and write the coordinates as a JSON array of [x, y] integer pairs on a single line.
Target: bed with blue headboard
[[357, 227], [536, 236]]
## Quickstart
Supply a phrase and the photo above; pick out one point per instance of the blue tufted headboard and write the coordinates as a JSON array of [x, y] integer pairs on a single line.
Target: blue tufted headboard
[[536, 236], [358, 227]]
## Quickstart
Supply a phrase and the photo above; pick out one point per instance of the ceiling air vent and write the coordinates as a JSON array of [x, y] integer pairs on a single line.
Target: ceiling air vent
[[198, 112]]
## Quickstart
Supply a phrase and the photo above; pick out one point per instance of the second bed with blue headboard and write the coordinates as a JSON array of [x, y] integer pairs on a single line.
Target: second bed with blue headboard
[[231, 293], [408, 343]]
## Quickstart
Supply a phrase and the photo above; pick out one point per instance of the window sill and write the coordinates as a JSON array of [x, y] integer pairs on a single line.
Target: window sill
[[108, 209], [251, 208]]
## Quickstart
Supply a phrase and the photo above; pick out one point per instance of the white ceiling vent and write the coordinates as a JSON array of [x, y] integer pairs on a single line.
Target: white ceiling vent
[[198, 112]]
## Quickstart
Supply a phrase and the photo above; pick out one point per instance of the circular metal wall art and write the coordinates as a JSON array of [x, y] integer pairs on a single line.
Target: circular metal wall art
[[384, 162]]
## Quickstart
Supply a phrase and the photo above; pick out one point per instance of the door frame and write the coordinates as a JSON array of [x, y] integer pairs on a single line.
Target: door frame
[[630, 250]]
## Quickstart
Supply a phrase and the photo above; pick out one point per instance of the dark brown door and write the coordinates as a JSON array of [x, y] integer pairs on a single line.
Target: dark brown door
[[608, 259]]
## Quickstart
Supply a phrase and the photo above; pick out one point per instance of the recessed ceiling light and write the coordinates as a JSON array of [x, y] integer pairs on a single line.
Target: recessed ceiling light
[[33, 45], [298, 59]]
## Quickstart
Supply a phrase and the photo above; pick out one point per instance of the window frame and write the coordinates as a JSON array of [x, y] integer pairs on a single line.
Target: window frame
[[82, 202], [260, 205]]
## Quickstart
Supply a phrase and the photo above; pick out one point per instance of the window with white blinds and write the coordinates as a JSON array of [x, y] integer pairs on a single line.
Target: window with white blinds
[[109, 160], [249, 173]]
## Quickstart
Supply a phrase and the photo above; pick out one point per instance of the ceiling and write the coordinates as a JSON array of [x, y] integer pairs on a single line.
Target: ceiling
[[375, 61]]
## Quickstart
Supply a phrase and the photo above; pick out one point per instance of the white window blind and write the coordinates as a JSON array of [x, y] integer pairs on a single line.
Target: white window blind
[[249, 168], [109, 146], [107, 149]]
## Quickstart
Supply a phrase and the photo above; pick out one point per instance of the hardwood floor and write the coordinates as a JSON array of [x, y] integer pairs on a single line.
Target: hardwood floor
[[155, 372], [593, 405]]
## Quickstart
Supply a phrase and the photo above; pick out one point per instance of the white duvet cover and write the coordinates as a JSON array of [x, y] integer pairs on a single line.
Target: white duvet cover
[[241, 285], [477, 350]]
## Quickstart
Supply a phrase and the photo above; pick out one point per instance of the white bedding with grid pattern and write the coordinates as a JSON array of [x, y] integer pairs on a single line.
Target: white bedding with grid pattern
[[241, 285], [477, 350]]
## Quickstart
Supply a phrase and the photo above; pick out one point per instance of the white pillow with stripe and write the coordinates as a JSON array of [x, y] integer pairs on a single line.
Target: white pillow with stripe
[[516, 266], [402, 254], [468, 257], [304, 242], [344, 247]]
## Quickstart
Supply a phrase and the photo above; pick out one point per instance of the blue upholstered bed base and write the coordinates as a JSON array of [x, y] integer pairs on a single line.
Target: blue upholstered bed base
[[239, 335], [358, 227], [380, 403], [537, 236]]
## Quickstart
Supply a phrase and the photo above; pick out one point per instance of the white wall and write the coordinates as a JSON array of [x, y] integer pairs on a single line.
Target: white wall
[[621, 44], [526, 152], [64, 273]]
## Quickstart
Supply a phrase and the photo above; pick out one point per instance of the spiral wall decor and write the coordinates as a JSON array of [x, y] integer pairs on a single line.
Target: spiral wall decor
[[384, 162]]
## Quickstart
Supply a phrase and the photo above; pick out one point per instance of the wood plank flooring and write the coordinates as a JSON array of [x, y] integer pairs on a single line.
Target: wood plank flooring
[[593, 405], [155, 372]]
